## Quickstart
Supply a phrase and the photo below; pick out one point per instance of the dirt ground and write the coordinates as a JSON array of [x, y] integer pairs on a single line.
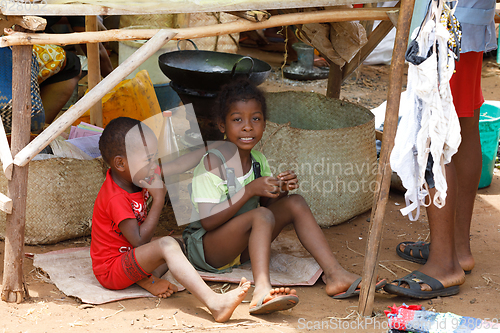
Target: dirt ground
[[48, 309]]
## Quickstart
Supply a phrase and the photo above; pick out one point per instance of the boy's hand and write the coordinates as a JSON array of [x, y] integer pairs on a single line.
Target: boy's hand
[[288, 180], [157, 189], [265, 187]]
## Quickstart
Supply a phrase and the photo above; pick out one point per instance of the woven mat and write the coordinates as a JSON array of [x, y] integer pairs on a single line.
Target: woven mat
[[71, 271]]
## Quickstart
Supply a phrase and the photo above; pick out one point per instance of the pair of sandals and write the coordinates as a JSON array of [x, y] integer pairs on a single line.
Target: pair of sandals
[[418, 252]]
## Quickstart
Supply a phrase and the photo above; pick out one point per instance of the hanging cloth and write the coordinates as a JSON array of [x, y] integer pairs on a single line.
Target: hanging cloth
[[431, 124]]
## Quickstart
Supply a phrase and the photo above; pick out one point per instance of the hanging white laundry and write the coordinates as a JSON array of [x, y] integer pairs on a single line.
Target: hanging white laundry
[[431, 124]]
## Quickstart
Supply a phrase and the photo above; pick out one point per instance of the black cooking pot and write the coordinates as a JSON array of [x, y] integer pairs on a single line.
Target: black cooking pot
[[210, 70]]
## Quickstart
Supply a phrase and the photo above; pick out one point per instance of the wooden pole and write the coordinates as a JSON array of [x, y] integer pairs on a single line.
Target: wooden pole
[[334, 81], [381, 195], [14, 288], [94, 67], [93, 96], [332, 15]]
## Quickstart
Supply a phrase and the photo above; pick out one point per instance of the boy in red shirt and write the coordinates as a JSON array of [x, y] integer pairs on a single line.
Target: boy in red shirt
[[122, 249]]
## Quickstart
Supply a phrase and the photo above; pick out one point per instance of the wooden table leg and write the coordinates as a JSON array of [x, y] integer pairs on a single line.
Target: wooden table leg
[[335, 79], [381, 195], [94, 70], [14, 289]]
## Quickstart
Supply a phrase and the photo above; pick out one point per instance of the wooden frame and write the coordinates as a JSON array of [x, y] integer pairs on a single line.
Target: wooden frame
[[14, 289]]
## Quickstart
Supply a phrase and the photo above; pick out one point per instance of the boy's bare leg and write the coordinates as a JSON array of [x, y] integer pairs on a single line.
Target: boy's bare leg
[[468, 164], [167, 250], [248, 234], [294, 209]]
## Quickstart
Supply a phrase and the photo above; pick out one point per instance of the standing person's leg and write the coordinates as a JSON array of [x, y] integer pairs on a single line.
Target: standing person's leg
[[442, 264], [167, 250], [468, 163]]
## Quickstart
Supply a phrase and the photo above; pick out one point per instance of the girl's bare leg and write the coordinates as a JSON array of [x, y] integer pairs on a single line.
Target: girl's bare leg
[[248, 234], [294, 209], [167, 250]]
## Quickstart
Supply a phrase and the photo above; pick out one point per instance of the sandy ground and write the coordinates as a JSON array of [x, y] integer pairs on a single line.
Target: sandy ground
[[48, 309]]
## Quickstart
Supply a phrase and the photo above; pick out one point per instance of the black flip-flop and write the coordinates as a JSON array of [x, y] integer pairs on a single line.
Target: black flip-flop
[[353, 289], [414, 280], [417, 252]]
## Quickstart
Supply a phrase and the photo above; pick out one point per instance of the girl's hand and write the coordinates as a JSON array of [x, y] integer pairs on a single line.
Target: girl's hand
[[265, 187], [288, 180], [157, 189]]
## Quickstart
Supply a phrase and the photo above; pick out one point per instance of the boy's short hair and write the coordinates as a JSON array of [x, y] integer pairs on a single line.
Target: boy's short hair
[[112, 141]]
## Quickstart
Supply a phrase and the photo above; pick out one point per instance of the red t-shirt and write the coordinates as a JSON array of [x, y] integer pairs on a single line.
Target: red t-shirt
[[112, 206]]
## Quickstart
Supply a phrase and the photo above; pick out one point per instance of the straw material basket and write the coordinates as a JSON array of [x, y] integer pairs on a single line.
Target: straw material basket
[[330, 144], [61, 195]]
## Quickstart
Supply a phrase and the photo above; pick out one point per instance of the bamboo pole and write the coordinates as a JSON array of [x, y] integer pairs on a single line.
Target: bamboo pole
[[14, 288], [93, 96], [5, 154], [332, 15], [94, 67], [368, 282]]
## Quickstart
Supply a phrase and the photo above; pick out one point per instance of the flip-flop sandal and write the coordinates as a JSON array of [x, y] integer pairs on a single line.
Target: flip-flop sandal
[[417, 252], [414, 280], [353, 289], [279, 303], [414, 251]]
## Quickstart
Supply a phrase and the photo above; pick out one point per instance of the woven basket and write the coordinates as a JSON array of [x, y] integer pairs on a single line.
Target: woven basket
[[61, 195], [330, 144]]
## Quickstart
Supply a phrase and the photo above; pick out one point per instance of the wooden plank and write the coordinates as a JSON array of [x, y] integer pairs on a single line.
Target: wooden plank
[[381, 194], [5, 204], [93, 96], [33, 23], [14, 289], [97, 7], [94, 70], [333, 15]]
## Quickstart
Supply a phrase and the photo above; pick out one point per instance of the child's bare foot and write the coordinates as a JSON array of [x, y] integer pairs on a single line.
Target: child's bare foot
[[339, 282], [275, 299], [158, 287], [223, 305]]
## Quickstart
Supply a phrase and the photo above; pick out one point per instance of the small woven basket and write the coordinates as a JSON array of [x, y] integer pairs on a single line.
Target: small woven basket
[[60, 201], [330, 144]]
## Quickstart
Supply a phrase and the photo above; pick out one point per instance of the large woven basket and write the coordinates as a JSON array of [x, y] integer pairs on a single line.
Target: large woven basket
[[61, 195], [330, 144]]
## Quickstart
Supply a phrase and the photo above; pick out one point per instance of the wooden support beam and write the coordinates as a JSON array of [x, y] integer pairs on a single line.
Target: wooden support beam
[[373, 40], [94, 70], [33, 23], [93, 96], [5, 204], [5, 154], [14, 289], [381, 194], [332, 15], [334, 81]]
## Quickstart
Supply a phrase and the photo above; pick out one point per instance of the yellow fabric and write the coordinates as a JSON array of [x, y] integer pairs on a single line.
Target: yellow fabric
[[134, 98], [51, 58], [235, 262]]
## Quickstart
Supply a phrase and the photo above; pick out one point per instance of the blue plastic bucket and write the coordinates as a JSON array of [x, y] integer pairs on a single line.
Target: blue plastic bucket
[[167, 97], [489, 131]]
